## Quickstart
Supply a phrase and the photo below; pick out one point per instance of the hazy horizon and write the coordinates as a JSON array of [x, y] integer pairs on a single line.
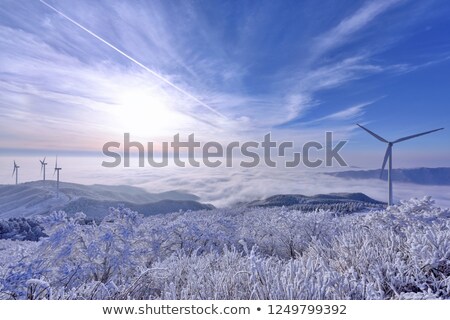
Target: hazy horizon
[[219, 186]]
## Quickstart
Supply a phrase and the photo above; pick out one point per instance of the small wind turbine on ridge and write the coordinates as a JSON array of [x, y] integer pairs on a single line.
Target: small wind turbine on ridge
[[43, 164], [388, 155], [57, 169], [16, 171]]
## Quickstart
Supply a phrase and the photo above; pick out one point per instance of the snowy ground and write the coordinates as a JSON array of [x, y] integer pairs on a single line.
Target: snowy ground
[[276, 253], [39, 197]]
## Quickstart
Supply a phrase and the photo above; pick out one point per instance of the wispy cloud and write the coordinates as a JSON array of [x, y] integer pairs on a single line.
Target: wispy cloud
[[348, 27], [235, 59], [350, 113], [333, 75], [320, 76], [152, 72]]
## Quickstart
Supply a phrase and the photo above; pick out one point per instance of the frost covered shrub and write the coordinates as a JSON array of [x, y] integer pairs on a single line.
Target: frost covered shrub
[[192, 232], [402, 252], [286, 233], [21, 229], [76, 254]]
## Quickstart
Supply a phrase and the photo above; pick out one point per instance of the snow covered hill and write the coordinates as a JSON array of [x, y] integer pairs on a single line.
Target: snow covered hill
[[341, 202], [97, 209], [37, 198]]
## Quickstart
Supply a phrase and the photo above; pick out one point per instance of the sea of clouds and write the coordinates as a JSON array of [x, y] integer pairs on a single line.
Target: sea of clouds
[[220, 186]]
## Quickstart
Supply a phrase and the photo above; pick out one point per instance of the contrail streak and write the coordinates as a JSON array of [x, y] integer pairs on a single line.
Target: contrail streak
[[134, 60]]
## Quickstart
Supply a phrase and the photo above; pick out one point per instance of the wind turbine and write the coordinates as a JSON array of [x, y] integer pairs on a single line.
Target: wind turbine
[[43, 164], [388, 154], [57, 169], [16, 171]]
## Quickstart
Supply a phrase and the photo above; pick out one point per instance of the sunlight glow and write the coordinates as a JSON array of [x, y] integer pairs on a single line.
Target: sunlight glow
[[146, 113]]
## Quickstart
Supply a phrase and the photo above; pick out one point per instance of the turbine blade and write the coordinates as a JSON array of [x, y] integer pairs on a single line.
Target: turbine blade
[[373, 133], [416, 135], [44, 159], [386, 157]]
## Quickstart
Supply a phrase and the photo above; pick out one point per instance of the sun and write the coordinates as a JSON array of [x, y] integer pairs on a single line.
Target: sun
[[146, 113]]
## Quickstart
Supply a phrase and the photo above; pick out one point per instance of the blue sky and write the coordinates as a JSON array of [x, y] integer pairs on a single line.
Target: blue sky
[[225, 70]]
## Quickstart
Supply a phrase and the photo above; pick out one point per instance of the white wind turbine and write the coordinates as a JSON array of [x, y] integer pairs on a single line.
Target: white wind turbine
[[388, 154], [43, 164], [57, 169], [16, 171]]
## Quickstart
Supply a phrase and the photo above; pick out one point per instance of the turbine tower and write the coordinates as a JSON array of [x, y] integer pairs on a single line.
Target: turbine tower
[[388, 154], [16, 171], [43, 164], [57, 169]]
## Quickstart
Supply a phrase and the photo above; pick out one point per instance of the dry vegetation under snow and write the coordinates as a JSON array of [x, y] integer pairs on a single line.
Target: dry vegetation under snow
[[399, 253]]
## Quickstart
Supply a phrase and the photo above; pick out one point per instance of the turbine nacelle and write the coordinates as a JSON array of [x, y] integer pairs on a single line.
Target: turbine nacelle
[[43, 164], [15, 168], [16, 171], [57, 169], [56, 166]]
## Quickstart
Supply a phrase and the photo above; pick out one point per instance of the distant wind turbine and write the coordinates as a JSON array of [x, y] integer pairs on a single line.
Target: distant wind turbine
[[43, 164], [388, 154], [57, 169], [16, 171]]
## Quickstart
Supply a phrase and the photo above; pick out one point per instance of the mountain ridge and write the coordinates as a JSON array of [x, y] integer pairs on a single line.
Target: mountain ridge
[[39, 198], [341, 202], [439, 176]]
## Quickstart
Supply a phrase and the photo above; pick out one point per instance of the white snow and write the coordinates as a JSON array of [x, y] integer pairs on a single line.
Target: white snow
[[399, 253]]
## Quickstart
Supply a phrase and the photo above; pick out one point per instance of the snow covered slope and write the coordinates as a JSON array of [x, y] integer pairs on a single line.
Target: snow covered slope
[[341, 202], [37, 197]]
